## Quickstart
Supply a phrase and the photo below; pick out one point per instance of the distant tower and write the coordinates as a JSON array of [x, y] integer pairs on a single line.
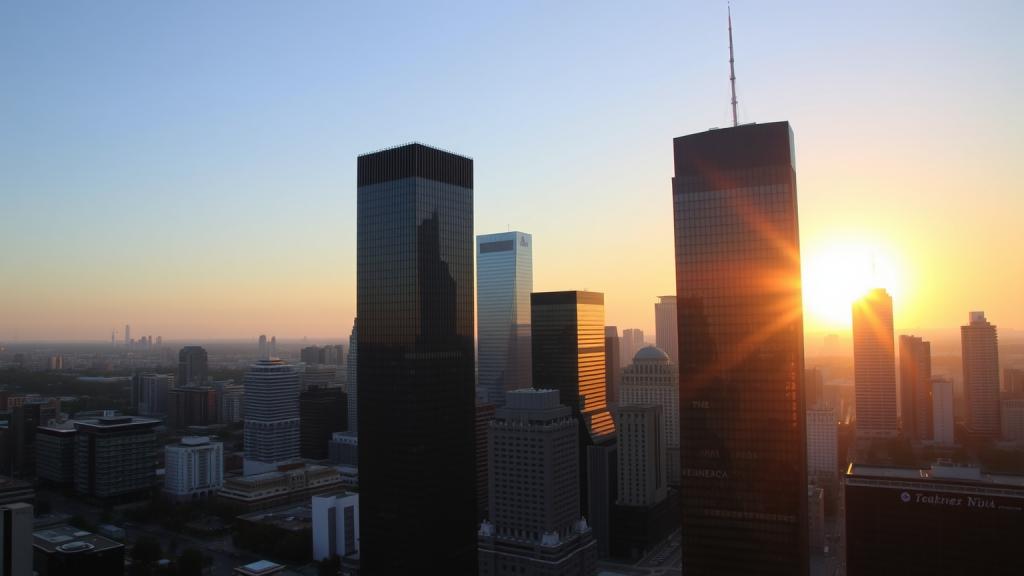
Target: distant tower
[[612, 363], [942, 412], [191, 365], [874, 365], [273, 346], [916, 387], [823, 447], [632, 340], [127, 335], [352, 380], [263, 346], [271, 415], [504, 282], [980, 354], [112, 342], [665, 327], [652, 378]]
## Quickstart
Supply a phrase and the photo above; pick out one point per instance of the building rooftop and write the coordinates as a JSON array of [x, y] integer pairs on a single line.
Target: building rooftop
[[70, 539], [939, 472]]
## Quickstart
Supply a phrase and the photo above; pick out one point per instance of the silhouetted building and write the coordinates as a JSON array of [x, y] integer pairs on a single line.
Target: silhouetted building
[[271, 415], [942, 412], [874, 365], [504, 281], [484, 415], [535, 526], [311, 355], [264, 351], [191, 406], [741, 363], [652, 378], [946, 520], [191, 366], [26, 416], [323, 410], [666, 327], [612, 364], [916, 387], [417, 454], [815, 385], [16, 539], [115, 459], [352, 380], [152, 392], [980, 347]]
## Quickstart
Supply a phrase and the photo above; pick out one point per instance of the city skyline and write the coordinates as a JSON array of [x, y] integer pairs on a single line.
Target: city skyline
[[109, 119]]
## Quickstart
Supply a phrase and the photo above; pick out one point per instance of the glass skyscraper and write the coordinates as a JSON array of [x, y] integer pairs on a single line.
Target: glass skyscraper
[[416, 377], [504, 281], [741, 365]]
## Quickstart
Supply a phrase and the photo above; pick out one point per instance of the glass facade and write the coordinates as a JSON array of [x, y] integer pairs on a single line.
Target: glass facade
[[874, 366], [504, 277], [741, 366], [417, 453]]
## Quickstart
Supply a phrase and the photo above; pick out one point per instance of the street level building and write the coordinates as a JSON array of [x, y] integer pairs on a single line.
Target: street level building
[[942, 520], [287, 484], [741, 363], [980, 355], [194, 468], [874, 366], [652, 378]]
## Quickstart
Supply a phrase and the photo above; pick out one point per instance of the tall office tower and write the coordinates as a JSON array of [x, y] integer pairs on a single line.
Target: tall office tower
[[191, 366], [352, 378], [323, 410], [980, 354], [652, 378], [16, 539], [874, 365], [271, 415], [535, 526], [666, 327], [194, 468], [1011, 422], [642, 478], [416, 366], [741, 363], [127, 335], [568, 356], [612, 363], [115, 459], [273, 347], [942, 412], [504, 280], [310, 355], [814, 385], [916, 387], [823, 447], [632, 340], [263, 346], [484, 415], [191, 406]]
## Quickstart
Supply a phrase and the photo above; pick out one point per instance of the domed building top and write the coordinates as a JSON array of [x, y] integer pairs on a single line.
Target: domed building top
[[651, 353]]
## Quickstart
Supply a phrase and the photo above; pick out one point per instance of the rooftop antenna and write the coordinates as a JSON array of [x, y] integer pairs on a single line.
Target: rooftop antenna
[[732, 73]]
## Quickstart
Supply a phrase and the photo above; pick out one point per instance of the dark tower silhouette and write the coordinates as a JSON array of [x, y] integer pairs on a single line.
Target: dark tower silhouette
[[191, 366]]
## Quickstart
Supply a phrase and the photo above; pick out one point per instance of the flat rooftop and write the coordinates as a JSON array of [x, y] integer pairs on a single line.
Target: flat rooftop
[[936, 473], [52, 538]]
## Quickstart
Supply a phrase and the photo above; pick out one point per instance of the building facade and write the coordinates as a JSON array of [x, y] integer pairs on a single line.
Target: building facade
[[980, 355], [666, 327], [504, 278], [192, 369], [352, 378], [194, 468], [416, 361], [55, 454], [642, 477], [874, 366], [612, 364], [115, 459], [484, 415], [335, 525], [942, 412], [741, 365], [323, 410], [191, 406], [916, 387], [271, 415], [652, 378], [535, 525]]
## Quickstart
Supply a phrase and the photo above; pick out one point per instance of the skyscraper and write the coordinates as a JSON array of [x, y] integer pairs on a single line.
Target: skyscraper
[[191, 365], [652, 378], [916, 387], [264, 352], [271, 415], [980, 355], [417, 455], [823, 447], [127, 335], [352, 378], [319, 410], [504, 277], [612, 363], [874, 365], [741, 364], [632, 340], [666, 330]]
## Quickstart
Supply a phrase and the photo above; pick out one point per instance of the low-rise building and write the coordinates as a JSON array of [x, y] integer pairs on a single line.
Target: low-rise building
[[289, 483], [68, 551], [335, 525], [194, 469]]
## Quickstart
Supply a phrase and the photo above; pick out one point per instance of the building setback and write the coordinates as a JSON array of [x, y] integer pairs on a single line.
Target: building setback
[[741, 364], [416, 367]]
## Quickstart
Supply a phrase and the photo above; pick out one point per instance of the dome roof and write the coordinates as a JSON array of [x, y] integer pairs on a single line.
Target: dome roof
[[650, 353]]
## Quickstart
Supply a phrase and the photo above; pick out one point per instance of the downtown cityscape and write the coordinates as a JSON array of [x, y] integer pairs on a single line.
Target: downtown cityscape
[[599, 338]]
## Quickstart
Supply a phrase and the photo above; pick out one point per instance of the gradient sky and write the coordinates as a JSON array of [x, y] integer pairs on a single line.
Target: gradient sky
[[189, 167]]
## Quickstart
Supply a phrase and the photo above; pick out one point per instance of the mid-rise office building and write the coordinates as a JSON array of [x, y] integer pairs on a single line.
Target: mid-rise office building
[[1013, 382], [504, 277], [416, 370], [942, 520], [343, 449], [612, 364], [741, 363], [323, 410], [271, 415], [335, 525], [916, 387], [815, 385], [652, 378], [194, 468], [874, 366], [191, 366], [115, 459], [666, 327], [311, 355], [352, 378], [152, 392], [823, 447], [642, 479], [980, 355], [16, 539], [55, 454], [535, 525], [1012, 420], [230, 401], [942, 412], [191, 406]]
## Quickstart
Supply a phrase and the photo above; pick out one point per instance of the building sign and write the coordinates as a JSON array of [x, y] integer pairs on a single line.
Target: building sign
[[959, 501]]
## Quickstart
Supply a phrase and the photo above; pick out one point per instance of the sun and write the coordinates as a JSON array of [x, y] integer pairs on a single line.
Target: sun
[[835, 275]]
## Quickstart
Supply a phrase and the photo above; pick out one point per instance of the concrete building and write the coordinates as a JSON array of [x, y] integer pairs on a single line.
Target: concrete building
[[612, 364], [335, 525], [980, 355], [16, 539], [70, 551], [115, 459], [874, 366], [535, 525], [942, 412], [193, 469], [192, 369], [915, 387], [823, 447], [55, 454], [271, 415], [666, 327], [323, 410], [152, 392], [652, 378]]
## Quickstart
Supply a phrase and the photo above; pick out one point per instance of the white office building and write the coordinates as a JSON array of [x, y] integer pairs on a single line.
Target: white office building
[[194, 468], [271, 415], [335, 525]]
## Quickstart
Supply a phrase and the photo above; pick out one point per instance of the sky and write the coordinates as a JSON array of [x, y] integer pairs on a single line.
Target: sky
[[189, 168]]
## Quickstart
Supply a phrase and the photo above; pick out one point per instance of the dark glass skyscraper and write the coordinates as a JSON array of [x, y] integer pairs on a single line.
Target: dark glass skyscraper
[[741, 365], [191, 365], [417, 453]]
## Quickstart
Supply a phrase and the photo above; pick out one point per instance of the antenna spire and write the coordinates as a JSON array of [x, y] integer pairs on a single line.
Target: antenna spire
[[732, 73]]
